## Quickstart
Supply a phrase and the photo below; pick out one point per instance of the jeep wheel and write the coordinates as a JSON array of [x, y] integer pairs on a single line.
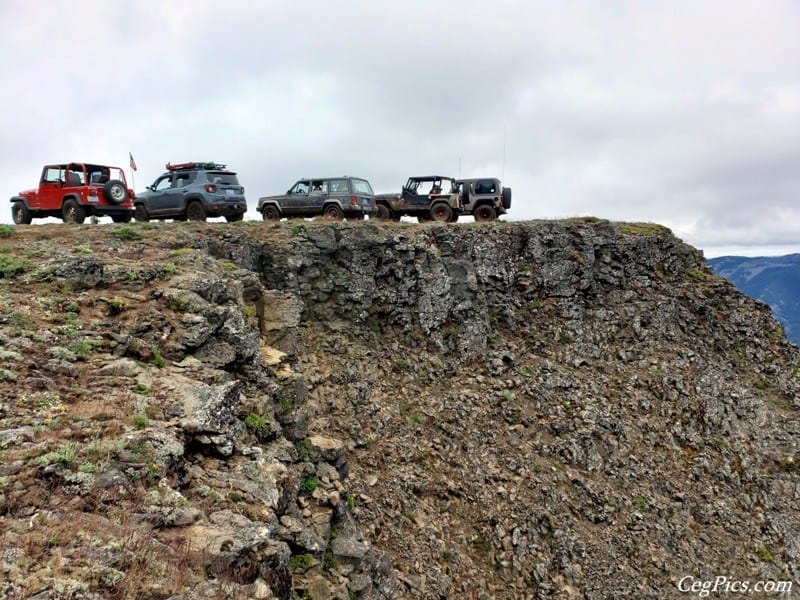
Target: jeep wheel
[[234, 218], [115, 191], [383, 213], [20, 213], [123, 218], [140, 213], [195, 211], [72, 212], [332, 211], [484, 213], [270, 213], [441, 212]]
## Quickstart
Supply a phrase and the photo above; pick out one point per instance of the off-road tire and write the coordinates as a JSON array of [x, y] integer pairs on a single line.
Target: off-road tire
[[484, 213], [140, 214], [72, 212], [441, 212], [383, 213], [20, 214], [115, 192], [234, 218], [332, 211], [123, 218], [270, 213], [195, 211], [506, 198]]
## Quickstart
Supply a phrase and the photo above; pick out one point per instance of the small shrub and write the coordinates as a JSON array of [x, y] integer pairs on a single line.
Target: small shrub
[[350, 500], [141, 389], [6, 231], [640, 503], [764, 554], [697, 274], [309, 484], [329, 560], [166, 269], [11, 267], [116, 305], [301, 562], [126, 232], [760, 384], [304, 450], [236, 497], [297, 228], [178, 303], [82, 249], [158, 361], [84, 348], [140, 421], [258, 424], [401, 364], [64, 455]]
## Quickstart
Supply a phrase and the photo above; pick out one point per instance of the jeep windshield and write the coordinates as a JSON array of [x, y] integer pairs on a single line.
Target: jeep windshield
[[361, 186], [222, 177]]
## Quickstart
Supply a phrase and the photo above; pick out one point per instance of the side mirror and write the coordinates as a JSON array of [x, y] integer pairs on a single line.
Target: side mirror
[[147, 187]]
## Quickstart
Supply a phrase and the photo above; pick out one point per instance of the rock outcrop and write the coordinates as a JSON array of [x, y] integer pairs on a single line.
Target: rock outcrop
[[518, 410]]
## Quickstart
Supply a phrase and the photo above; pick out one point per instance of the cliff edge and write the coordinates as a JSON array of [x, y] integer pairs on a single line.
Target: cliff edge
[[324, 410]]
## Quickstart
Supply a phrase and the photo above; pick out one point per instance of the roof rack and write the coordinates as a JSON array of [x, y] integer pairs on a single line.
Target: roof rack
[[194, 165]]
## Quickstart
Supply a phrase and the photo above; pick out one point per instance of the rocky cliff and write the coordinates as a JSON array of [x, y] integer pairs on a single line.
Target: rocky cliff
[[517, 410]]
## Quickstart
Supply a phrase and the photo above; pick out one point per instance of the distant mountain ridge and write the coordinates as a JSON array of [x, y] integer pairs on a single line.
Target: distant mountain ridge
[[772, 279]]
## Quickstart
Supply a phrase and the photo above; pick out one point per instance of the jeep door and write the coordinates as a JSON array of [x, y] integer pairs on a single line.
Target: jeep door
[[317, 196], [296, 200], [157, 199], [49, 196], [176, 194]]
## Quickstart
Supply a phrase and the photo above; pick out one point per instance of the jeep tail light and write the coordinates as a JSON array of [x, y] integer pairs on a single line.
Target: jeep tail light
[[211, 189], [242, 192], [353, 201], [93, 191]]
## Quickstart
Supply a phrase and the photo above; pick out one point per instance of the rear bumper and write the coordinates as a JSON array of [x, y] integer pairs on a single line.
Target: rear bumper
[[225, 208], [103, 210]]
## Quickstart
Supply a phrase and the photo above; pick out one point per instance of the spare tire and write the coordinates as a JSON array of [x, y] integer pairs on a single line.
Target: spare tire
[[115, 192], [506, 198]]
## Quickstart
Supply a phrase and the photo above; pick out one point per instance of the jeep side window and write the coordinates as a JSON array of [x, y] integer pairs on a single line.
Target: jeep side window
[[301, 187], [485, 187], [182, 180], [162, 184], [53, 175], [75, 175], [318, 187], [338, 186]]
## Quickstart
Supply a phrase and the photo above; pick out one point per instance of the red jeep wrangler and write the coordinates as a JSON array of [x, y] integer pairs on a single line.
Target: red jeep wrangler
[[74, 191]]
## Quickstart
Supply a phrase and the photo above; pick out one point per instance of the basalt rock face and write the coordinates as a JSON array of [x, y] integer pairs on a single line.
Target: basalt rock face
[[521, 410]]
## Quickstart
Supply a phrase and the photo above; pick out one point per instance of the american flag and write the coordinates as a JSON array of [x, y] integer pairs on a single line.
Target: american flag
[[133, 162]]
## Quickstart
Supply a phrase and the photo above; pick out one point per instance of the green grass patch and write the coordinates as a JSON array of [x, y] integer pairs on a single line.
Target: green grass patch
[[11, 267], [127, 232], [6, 231]]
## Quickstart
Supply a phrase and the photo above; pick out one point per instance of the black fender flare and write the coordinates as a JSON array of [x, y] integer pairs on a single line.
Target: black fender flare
[[15, 199], [189, 199]]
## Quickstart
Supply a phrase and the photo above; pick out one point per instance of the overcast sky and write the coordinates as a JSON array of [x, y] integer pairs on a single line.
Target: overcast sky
[[680, 113]]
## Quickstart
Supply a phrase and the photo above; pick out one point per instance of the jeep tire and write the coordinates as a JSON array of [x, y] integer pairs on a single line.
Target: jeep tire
[[441, 212], [115, 192], [72, 212], [20, 213], [195, 211], [270, 213], [484, 213], [140, 214], [122, 218], [383, 213], [234, 218], [332, 211]]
